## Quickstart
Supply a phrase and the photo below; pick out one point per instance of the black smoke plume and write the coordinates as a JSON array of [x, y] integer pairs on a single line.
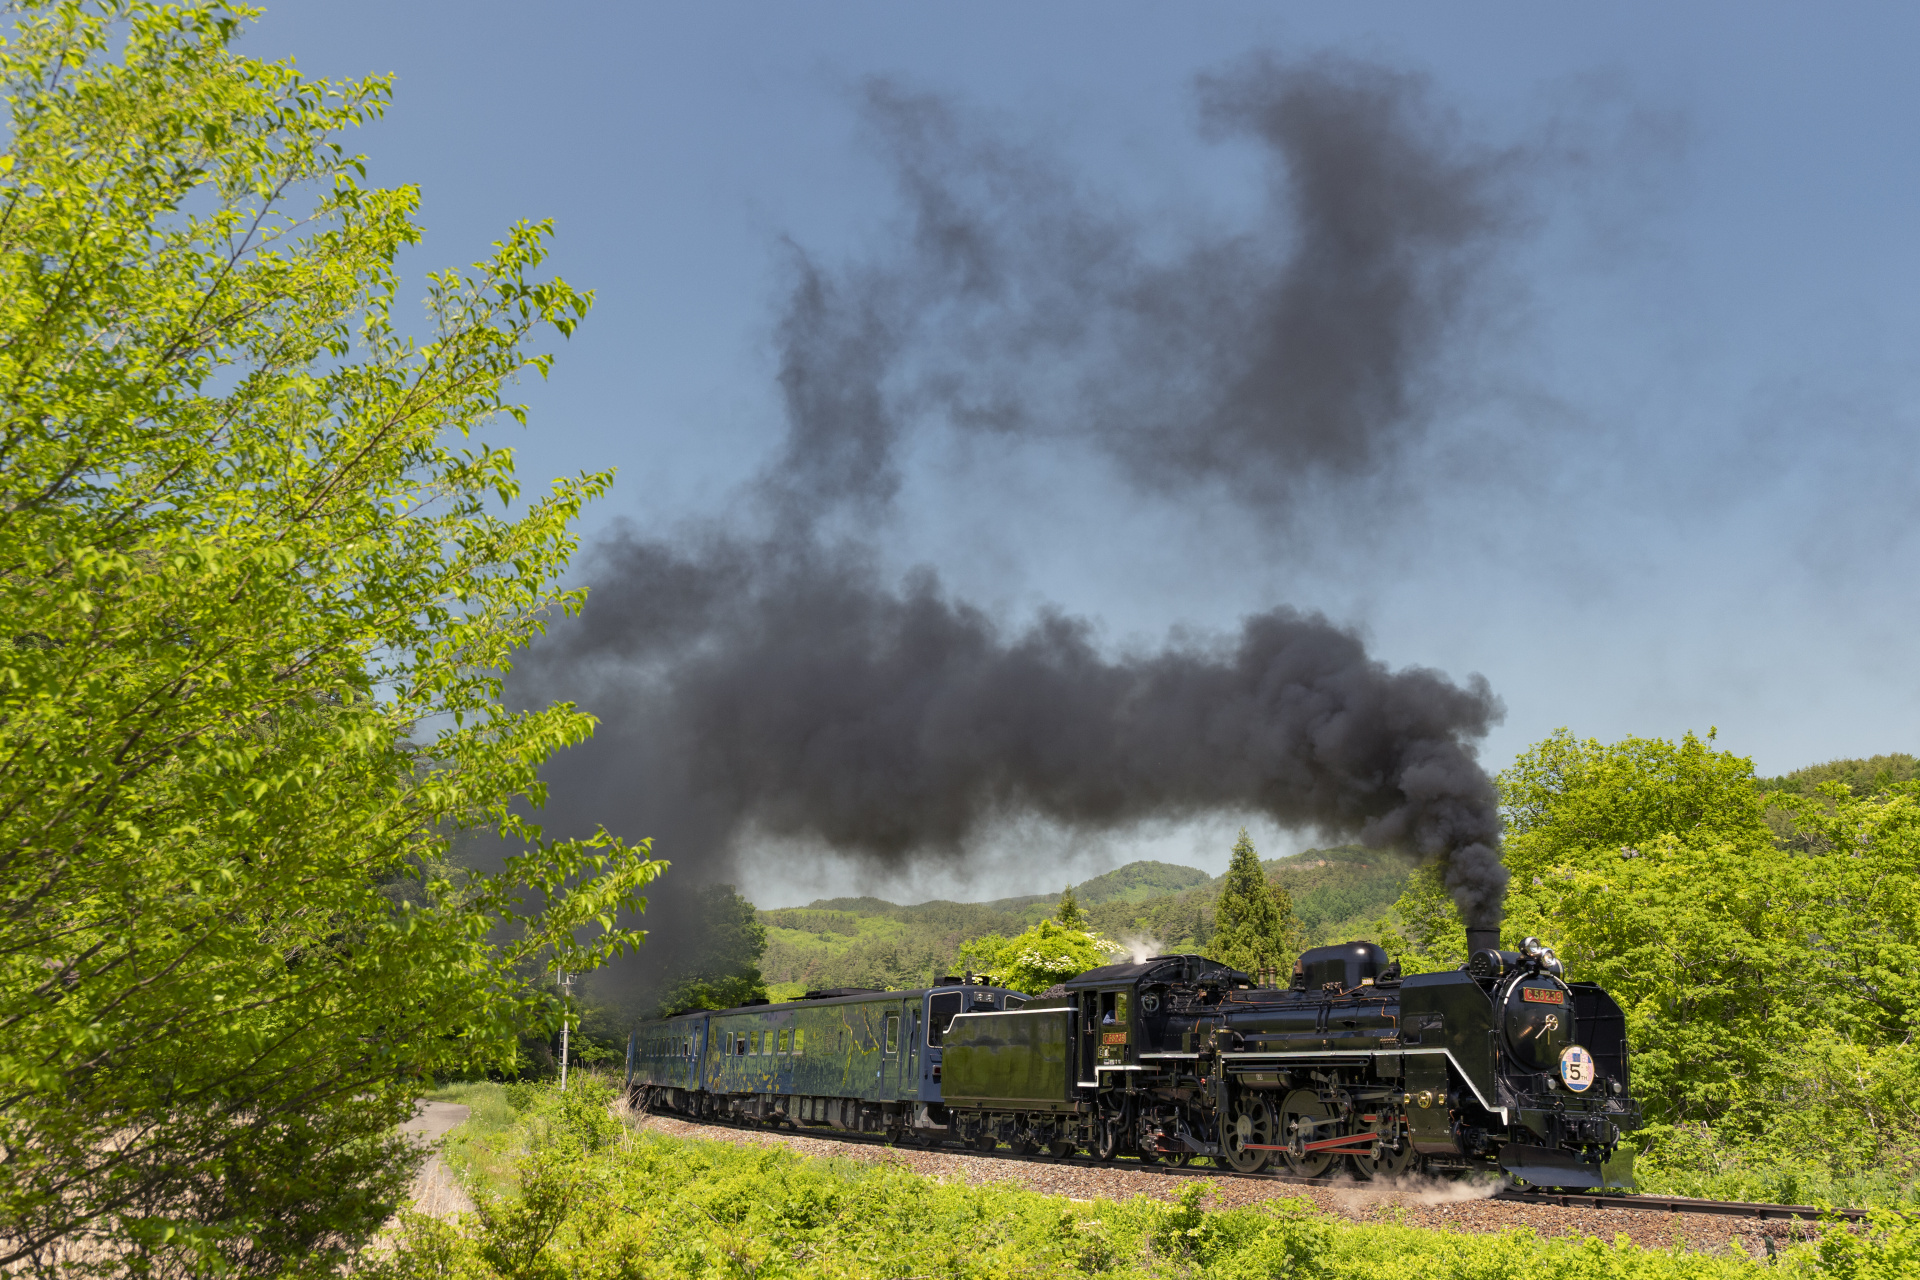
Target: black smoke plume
[[806, 698], [770, 678], [1305, 350]]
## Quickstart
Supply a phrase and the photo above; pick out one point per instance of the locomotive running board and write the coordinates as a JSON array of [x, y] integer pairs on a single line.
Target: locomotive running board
[[1231, 1056]]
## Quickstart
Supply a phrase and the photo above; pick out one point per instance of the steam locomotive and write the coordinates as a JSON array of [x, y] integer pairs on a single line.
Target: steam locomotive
[[1501, 1065]]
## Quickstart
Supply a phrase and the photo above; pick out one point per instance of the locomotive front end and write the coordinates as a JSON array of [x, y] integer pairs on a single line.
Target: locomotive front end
[[1560, 1064]]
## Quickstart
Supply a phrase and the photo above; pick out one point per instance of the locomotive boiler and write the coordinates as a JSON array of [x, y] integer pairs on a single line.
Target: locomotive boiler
[[1502, 1065]]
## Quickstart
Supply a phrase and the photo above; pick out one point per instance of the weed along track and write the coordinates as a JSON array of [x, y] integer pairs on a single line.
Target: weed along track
[[1648, 1221]]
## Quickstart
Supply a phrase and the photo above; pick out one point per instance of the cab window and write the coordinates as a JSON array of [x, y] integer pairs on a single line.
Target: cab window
[[941, 1010], [1014, 1002]]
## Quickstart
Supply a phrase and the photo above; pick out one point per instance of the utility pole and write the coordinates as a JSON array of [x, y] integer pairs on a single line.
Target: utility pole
[[566, 993]]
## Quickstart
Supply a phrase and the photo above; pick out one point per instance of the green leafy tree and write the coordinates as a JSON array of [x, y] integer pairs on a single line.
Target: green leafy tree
[[1068, 912], [259, 585], [1175, 922], [720, 969], [1862, 777], [1046, 954], [1253, 922], [1768, 980]]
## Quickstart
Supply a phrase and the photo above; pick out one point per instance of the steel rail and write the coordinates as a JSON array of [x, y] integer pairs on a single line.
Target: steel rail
[[1512, 1195]]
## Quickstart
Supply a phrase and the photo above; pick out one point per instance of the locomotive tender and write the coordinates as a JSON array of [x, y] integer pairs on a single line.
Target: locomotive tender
[[1500, 1065]]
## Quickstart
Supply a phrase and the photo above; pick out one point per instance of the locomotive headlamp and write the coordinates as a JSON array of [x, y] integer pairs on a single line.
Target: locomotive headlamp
[[1550, 963], [1531, 948]]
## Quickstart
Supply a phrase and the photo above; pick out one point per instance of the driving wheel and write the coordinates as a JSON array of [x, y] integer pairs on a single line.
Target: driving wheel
[[1303, 1119], [1391, 1162], [1248, 1130]]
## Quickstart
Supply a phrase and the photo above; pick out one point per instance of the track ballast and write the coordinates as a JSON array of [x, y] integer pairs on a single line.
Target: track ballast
[[1516, 1195]]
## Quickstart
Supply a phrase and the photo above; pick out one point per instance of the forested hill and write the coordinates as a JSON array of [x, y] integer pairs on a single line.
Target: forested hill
[[1863, 777], [1336, 893]]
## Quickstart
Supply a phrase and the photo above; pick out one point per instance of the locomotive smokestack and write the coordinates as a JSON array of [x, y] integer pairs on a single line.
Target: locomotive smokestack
[[1482, 938]]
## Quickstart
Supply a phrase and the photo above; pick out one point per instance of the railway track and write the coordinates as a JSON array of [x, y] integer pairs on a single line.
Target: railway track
[[1515, 1195]]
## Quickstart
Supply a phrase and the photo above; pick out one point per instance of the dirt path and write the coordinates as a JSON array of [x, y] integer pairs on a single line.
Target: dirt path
[[434, 1190]]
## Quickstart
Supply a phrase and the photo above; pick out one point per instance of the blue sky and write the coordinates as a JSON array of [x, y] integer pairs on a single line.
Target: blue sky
[[1671, 483]]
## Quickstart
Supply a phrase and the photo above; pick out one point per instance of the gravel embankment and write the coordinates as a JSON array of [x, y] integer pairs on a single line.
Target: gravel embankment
[[1440, 1205]]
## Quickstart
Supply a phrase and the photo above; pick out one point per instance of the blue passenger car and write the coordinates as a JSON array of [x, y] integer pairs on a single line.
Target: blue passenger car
[[847, 1058]]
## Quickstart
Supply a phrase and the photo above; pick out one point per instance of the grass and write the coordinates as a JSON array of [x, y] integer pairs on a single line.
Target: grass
[[566, 1189]]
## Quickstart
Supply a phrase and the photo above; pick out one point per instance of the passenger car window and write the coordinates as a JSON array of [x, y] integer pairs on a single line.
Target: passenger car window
[[893, 1033], [786, 1040], [799, 1040]]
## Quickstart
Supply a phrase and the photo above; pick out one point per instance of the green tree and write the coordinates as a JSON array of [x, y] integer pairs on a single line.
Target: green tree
[[1068, 912], [259, 586], [1862, 777], [1046, 954], [1768, 981], [1566, 802], [1253, 921], [720, 968]]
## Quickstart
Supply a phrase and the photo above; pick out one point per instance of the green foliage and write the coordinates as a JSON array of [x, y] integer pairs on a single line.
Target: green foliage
[[1338, 893], [1770, 971], [1254, 928], [807, 920], [1068, 912], [259, 585], [721, 969], [1888, 1250], [1048, 953], [1698, 1160], [1863, 777], [651, 1205], [1567, 801], [868, 942], [1177, 922], [1138, 881]]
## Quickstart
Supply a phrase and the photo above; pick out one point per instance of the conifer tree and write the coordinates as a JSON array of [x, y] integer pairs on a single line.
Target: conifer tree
[[1253, 920], [1068, 912]]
